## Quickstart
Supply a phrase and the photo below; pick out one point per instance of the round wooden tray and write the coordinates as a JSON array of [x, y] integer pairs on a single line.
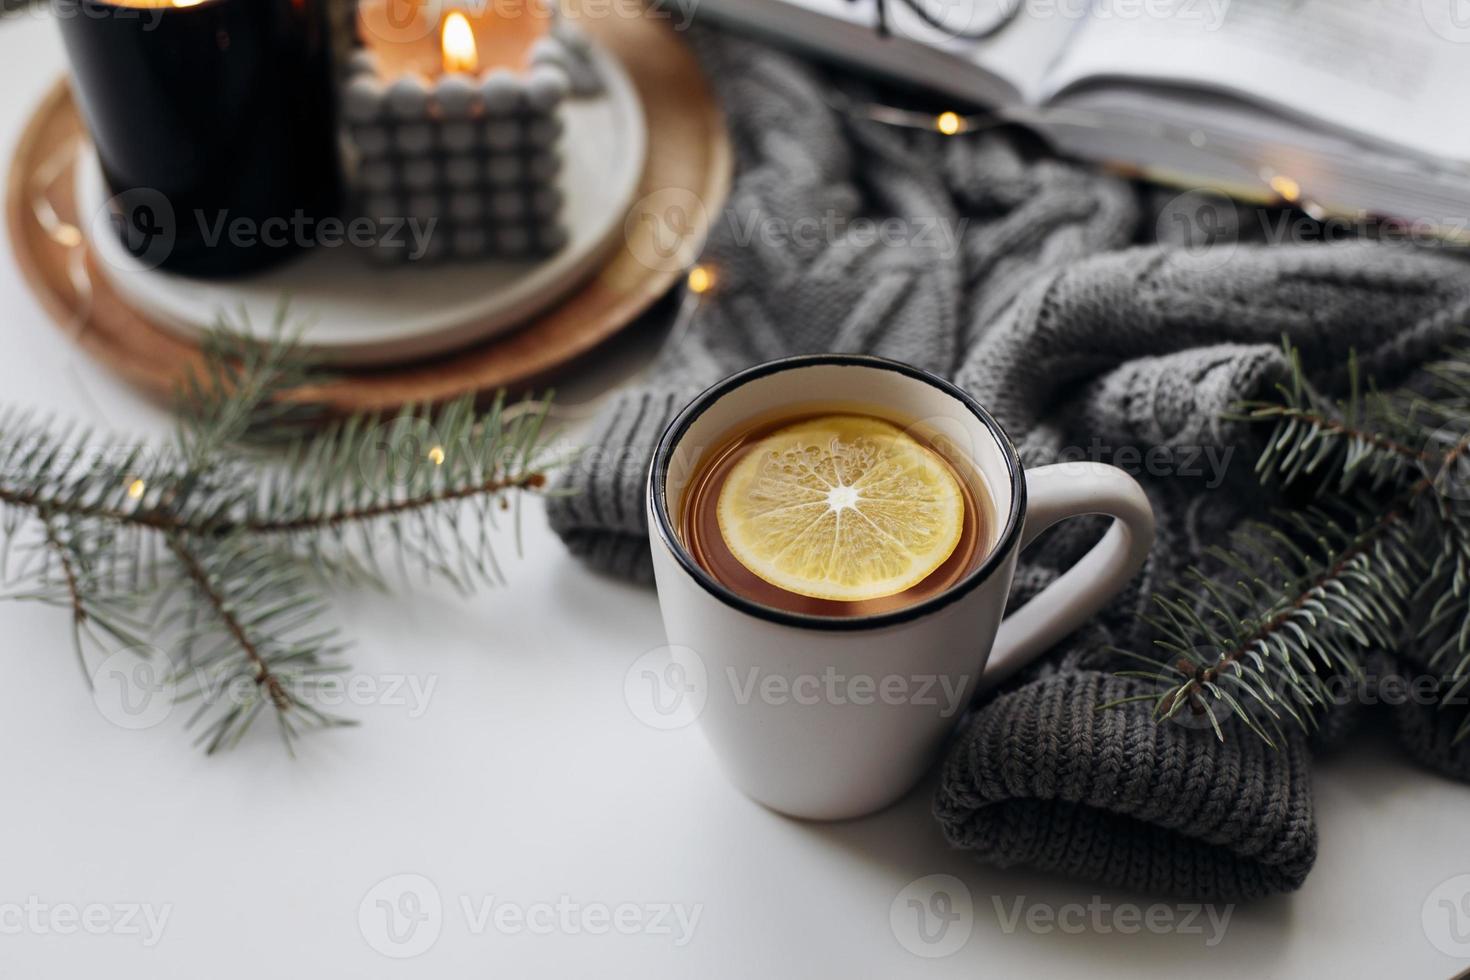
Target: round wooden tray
[[685, 181]]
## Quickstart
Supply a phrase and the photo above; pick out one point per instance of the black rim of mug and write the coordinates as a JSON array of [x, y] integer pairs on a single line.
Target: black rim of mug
[[658, 494]]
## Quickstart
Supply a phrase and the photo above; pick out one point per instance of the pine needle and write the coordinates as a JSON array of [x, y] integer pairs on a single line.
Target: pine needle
[[219, 545], [1379, 560]]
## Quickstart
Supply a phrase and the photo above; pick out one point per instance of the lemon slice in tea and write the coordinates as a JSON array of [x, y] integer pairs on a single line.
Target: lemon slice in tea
[[843, 507]]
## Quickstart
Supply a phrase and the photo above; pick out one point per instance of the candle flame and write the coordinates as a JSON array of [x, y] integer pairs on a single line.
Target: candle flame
[[458, 41]]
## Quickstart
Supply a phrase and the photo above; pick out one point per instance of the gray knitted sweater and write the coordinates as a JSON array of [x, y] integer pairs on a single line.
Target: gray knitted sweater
[[1043, 289]]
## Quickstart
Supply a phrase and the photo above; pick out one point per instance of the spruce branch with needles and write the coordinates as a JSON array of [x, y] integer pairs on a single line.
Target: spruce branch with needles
[[215, 551], [1376, 558]]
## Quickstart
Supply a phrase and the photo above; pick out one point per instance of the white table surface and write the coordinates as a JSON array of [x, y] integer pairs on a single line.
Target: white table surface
[[526, 779]]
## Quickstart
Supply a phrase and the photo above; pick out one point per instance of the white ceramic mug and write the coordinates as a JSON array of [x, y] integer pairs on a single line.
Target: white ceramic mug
[[826, 717]]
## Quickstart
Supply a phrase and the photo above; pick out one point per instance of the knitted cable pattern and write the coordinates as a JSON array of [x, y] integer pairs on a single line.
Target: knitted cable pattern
[[1035, 285]]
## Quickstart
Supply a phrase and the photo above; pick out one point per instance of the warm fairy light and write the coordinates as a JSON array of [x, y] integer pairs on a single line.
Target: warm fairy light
[[1286, 188], [701, 279], [436, 455], [458, 42], [67, 236], [136, 489], [949, 123]]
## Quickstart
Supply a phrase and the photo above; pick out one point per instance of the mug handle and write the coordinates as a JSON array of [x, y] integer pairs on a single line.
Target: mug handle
[[1055, 493]]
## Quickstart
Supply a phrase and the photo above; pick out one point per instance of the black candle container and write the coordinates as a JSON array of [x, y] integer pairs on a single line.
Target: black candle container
[[213, 122]]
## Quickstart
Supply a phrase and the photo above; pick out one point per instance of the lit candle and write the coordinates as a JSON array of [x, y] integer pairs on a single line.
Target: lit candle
[[458, 124], [207, 116]]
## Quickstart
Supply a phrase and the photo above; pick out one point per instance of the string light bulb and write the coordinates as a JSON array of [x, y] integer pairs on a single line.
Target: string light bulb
[[1286, 188], [436, 455], [949, 123], [701, 279], [136, 489]]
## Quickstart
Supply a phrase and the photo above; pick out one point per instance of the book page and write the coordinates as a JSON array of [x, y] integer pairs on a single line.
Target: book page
[[1395, 71]]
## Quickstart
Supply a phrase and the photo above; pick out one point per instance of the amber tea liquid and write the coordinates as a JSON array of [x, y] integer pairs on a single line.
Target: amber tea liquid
[[699, 527]]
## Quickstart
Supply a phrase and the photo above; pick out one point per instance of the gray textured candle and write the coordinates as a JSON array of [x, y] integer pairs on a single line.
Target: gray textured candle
[[469, 146]]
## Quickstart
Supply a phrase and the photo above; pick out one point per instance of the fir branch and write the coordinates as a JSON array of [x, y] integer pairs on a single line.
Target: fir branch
[[216, 524], [1367, 436], [73, 588], [227, 534], [256, 640], [201, 579], [1314, 618], [1314, 590]]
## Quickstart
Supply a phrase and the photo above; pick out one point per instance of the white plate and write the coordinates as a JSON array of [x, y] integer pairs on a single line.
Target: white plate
[[360, 314]]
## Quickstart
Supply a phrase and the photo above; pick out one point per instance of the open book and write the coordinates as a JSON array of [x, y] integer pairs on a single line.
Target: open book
[[1354, 107]]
